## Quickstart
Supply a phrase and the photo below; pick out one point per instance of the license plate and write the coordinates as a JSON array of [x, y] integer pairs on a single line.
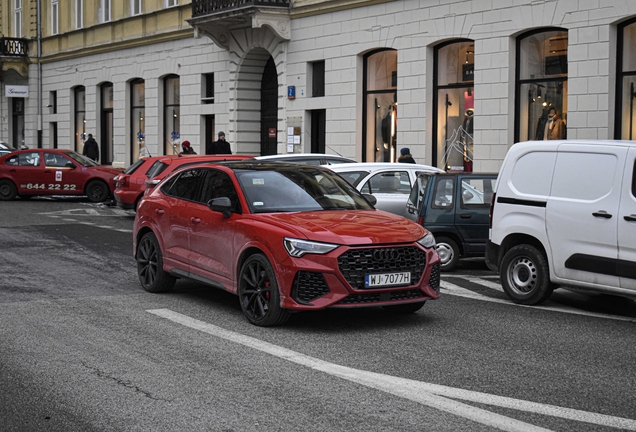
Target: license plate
[[387, 279]]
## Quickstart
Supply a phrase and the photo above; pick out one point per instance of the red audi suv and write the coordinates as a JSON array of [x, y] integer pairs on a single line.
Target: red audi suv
[[283, 237]]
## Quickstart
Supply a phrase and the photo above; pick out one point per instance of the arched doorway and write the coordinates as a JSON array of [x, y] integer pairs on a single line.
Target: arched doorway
[[269, 109]]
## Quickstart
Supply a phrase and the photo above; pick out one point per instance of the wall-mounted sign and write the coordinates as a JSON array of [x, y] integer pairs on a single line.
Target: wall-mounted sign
[[16, 91], [271, 132], [291, 92], [468, 72]]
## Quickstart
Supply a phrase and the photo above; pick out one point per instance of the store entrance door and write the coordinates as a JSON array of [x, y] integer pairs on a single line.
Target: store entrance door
[[17, 107], [269, 109]]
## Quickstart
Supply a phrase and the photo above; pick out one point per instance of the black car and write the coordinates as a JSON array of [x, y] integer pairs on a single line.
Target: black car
[[454, 207]]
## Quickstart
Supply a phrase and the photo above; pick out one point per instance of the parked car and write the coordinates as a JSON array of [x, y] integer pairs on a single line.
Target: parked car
[[5, 149], [132, 183], [565, 215], [26, 173], [308, 158], [389, 183], [283, 237], [455, 208]]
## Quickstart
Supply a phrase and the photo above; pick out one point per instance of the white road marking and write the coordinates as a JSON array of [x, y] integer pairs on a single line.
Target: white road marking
[[452, 289], [432, 395], [480, 281]]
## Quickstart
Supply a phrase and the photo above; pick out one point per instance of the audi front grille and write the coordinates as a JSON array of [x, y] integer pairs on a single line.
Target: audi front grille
[[356, 263], [354, 299]]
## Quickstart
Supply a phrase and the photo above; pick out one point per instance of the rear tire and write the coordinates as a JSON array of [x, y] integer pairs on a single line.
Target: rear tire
[[8, 191], [97, 191], [152, 276], [525, 275], [404, 309], [258, 293], [448, 253]]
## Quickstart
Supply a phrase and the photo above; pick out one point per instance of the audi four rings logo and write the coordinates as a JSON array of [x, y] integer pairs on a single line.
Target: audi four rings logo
[[386, 254]]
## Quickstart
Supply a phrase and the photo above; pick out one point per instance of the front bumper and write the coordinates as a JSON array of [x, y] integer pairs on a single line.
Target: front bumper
[[318, 281]]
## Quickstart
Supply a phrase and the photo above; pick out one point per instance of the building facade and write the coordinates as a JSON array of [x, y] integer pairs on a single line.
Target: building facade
[[455, 81]]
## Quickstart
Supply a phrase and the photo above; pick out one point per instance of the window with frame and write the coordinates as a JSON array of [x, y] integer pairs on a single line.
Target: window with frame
[[54, 17], [218, 184], [17, 14], [380, 106], [394, 182], [79, 14], [135, 7], [626, 81], [171, 3], [80, 117], [207, 92], [137, 118], [318, 79], [542, 85], [55, 160], [172, 113], [443, 194], [104, 11], [476, 192], [454, 102]]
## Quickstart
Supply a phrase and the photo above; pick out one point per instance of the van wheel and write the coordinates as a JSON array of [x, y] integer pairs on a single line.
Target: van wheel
[[525, 275], [448, 253]]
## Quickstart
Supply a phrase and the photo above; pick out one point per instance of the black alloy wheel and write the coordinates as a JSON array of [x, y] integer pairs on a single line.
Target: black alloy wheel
[[258, 293], [97, 191], [152, 276], [8, 190]]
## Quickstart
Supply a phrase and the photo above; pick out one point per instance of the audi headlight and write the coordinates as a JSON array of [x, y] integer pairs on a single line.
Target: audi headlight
[[298, 248], [428, 241]]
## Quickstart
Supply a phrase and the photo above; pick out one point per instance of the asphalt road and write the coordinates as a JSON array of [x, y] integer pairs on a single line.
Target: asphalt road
[[84, 348]]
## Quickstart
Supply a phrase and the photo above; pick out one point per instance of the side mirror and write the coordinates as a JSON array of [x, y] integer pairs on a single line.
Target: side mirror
[[371, 198], [70, 165], [410, 207], [221, 204]]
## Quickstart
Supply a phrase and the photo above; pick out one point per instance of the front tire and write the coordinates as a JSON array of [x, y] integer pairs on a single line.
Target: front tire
[[404, 309], [152, 276], [525, 275], [8, 191], [448, 253], [97, 191], [258, 293]]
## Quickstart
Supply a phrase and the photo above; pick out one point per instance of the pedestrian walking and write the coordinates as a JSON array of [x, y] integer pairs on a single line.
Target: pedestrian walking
[[91, 149], [219, 146], [187, 148], [405, 156]]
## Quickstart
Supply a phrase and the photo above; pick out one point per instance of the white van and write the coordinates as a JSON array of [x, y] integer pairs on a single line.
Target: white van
[[564, 213]]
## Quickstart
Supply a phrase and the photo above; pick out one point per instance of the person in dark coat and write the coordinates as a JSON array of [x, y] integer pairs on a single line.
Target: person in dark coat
[[91, 149], [405, 156], [187, 148], [219, 146]]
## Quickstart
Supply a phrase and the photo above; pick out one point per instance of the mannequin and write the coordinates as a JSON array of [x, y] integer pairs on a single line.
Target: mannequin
[[555, 126]]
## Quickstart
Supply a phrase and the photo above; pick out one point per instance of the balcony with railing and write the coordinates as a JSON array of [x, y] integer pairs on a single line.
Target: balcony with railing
[[219, 18], [14, 47], [207, 7]]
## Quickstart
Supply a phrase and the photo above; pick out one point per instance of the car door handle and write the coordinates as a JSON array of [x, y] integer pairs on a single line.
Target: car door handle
[[195, 219], [630, 218], [159, 211], [47, 171], [602, 214], [12, 170], [465, 216]]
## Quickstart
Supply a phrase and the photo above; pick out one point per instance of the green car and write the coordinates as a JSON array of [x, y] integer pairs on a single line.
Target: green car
[[455, 208]]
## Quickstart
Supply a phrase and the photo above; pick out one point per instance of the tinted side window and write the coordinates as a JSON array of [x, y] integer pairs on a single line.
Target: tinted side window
[[186, 186], [157, 168], [131, 169], [394, 182], [443, 195], [353, 177], [56, 161], [29, 159], [476, 192], [419, 191], [218, 184]]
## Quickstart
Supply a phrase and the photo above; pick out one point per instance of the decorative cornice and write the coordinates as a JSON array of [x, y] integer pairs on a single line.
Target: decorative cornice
[[301, 9], [116, 46], [21, 66]]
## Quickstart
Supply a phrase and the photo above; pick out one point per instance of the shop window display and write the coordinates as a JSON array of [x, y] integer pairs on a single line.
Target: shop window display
[[626, 88], [80, 117], [455, 106], [542, 87], [380, 89], [137, 120], [172, 115]]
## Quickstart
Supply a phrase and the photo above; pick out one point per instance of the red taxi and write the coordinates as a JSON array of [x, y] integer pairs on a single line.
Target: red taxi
[[283, 237], [26, 173], [132, 183]]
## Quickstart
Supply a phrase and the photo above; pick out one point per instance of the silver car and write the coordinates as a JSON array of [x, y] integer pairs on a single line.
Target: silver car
[[390, 183]]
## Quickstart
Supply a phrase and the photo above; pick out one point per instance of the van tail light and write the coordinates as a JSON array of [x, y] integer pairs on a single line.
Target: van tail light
[[420, 220], [492, 208]]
